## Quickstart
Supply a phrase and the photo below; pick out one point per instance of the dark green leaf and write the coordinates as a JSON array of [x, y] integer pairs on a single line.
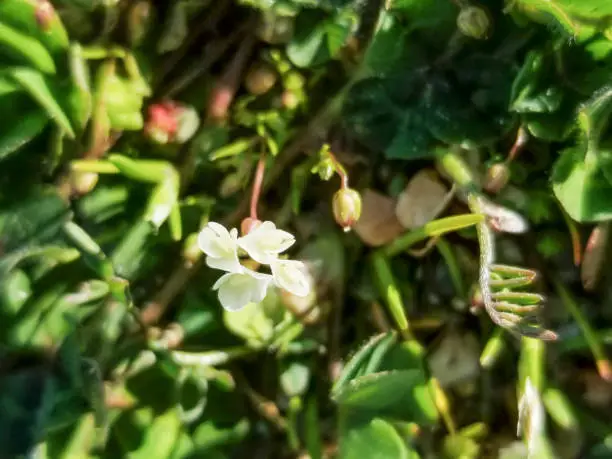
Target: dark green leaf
[[21, 131], [45, 94], [33, 219]]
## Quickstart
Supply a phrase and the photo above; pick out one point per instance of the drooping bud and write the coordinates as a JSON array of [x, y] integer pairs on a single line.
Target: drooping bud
[[171, 122], [346, 206], [260, 78], [497, 177], [474, 22]]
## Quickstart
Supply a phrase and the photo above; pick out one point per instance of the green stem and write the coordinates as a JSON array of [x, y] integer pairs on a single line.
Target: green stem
[[597, 349], [431, 229], [389, 291], [96, 166], [293, 438]]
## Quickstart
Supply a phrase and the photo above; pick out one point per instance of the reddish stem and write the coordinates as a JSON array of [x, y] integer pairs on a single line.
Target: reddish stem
[[257, 183], [339, 170], [521, 140]]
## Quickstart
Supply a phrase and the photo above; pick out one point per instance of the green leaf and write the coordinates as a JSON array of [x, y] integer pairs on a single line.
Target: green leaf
[[370, 114], [594, 114], [452, 119], [33, 219], [26, 398], [375, 438], [412, 139], [43, 92], [460, 447], [256, 322], [55, 253], [25, 49], [579, 18], [21, 131], [367, 357], [388, 50], [581, 187], [160, 437], [317, 38], [436, 15], [377, 391]]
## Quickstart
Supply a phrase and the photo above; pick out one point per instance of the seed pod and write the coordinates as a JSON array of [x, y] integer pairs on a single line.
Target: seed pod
[[260, 78], [497, 177], [474, 22], [346, 206]]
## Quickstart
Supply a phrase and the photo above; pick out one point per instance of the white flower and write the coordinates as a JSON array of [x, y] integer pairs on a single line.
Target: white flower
[[236, 290], [291, 275], [221, 247], [265, 242]]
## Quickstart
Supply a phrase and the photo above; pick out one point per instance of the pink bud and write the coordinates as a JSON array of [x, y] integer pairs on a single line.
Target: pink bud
[[248, 225], [170, 121], [44, 14]]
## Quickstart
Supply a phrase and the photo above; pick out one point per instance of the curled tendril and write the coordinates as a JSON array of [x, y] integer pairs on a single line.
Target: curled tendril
[[508, 307]]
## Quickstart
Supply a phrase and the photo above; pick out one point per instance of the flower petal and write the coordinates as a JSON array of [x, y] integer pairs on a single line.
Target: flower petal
[[260, 284], [229, 264], [291, 275], [220, 246], [265, 242], [233, 299], [236, 290], [214, 240]]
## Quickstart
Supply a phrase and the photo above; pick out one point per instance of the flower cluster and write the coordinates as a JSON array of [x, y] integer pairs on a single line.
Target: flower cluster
[[263, 244]]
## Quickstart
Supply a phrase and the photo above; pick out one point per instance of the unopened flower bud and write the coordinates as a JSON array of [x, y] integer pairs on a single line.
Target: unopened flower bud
[[346, 206], [171, 122], [260, 78], [44, 13], [474, 22], [497, 177], [248, 225]]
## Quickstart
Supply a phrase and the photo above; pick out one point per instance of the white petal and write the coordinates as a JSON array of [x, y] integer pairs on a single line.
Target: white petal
[[222, 280], [229, 264], [214, 239], [232, 298], [265, 242], [260, 285], [236, 290], [292, 276], [220, 246]]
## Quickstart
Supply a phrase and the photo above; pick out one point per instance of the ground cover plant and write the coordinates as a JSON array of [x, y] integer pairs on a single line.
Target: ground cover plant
[[360, 229]]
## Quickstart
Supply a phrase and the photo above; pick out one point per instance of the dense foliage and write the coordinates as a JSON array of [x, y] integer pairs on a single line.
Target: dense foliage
[[464, 147]]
